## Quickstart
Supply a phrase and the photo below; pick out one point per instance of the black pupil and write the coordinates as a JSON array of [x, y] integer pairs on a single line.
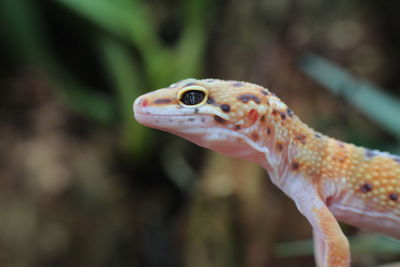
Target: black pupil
[[192, 97]]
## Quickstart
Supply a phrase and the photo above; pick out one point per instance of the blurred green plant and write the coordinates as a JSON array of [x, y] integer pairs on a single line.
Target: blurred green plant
[[29, 44], [123, 26], [359, 244], [372, 101]]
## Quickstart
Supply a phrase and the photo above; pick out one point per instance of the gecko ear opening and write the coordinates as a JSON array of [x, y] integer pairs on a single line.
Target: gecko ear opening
[[250, 119], [192, 96]]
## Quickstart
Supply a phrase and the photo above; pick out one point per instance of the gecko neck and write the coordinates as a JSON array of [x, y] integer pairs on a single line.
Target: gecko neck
[[291, 143]]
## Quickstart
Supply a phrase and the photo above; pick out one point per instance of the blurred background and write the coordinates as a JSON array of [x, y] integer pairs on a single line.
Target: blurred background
[[82, 184]]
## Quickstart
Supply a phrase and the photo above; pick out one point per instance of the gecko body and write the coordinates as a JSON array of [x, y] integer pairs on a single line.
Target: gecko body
[[326, 178]]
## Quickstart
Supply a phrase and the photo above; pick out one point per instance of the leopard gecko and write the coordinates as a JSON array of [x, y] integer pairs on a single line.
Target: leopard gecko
[[328, 180]]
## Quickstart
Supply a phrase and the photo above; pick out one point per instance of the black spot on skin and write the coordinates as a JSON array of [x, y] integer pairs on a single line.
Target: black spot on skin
[[210, 101], [219, 119], [256, 99], [244, 98], [196, 110], [366, 187], [342, 159], [237, 127], [262, 118], [370, 153], [225, 107], [247, 97], [163, 101], [279, 146], [283, 115], [191, 119], [302, 138], [268, 130], [295, 165], [237, 84], [274, 112], [393, 196], [289, 112], [317, 135], [189, 84], [203, 120], [340, 144], [265, 92]]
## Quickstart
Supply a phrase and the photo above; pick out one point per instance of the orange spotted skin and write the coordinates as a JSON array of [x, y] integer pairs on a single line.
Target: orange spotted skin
[[327, 179], [371, 176]]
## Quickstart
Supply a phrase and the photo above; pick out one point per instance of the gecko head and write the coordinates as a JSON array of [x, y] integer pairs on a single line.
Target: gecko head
[[220, 115]]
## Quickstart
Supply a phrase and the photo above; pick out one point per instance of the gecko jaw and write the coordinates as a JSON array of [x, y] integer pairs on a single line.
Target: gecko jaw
[[166, 122], [209, 134]]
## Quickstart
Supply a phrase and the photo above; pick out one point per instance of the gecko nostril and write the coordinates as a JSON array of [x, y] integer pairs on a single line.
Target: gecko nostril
[[144, 102]]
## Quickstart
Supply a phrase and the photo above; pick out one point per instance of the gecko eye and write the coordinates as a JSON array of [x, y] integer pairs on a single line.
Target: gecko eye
[[193, 96]]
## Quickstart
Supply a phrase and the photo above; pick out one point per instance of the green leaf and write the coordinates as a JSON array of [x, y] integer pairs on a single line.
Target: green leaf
[[129, 19], [373, 243], [359, 244], [85, 101], [26, 37], [382, 108], [128, 84]]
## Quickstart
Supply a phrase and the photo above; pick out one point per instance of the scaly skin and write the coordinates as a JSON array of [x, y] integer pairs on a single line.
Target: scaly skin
[[326, 178]]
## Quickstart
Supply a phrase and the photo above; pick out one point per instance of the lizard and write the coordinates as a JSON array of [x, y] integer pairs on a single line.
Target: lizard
[[329, 180]]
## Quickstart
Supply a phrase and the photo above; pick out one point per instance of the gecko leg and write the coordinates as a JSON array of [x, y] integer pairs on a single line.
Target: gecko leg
[[319, 248], [331, 245]]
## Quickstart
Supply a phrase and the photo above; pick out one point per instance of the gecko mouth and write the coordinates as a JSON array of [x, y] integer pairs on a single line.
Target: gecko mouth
[[164, 116], [171, 121]]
